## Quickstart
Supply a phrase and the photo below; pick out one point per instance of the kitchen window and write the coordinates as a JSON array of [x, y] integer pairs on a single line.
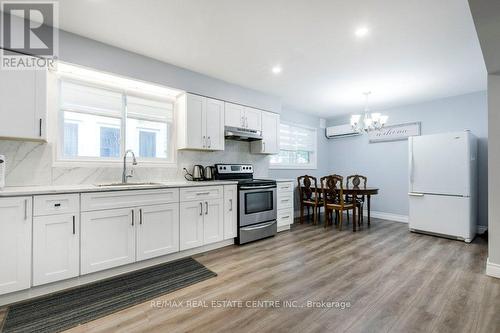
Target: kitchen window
[[100, 119], [298, 148]]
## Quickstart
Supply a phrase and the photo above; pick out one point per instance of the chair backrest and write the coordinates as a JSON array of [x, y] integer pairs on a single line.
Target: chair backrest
[[355, 181], [307, 187], [332, 189]]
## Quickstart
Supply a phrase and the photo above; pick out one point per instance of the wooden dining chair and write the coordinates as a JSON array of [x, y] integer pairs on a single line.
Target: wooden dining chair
[[334, 200], [357, 182], [309, 196]]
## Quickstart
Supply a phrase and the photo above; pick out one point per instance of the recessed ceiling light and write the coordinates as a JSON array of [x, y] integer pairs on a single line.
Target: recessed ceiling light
[[276, 69], [361, 32]]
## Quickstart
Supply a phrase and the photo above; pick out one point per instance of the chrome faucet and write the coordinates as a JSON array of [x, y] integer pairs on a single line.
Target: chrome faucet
[[126, 176]]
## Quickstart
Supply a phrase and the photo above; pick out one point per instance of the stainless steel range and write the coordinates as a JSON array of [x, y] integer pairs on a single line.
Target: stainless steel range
[[256, 202]]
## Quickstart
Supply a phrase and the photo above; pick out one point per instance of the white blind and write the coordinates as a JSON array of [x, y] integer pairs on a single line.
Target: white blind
[[146, 109], [82, 98], [295, 138]]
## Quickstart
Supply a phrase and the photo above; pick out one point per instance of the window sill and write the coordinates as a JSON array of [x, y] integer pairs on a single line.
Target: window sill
[[111, 164]]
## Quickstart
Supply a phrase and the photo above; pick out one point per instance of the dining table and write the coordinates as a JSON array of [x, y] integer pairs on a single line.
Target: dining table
[[359, 191]]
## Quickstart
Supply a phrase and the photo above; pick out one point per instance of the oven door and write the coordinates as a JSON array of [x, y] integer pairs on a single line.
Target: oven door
[[257, 204]]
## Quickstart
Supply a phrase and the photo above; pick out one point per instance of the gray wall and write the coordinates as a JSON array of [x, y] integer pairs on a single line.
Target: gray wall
[[494, 167], [87, 52], [386, 164]]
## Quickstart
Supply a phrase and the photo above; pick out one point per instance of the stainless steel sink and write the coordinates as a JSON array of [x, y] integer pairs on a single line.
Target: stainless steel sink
[[126, 184]]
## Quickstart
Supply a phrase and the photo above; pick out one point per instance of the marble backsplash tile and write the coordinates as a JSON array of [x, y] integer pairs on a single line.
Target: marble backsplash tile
[[30, 163]]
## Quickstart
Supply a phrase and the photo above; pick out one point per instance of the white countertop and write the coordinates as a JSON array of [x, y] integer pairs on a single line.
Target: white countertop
[[58, 189]]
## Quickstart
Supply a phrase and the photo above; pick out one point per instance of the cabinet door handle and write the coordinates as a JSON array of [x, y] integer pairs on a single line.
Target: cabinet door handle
[[209, 144], [201, 208], [263, 146], [140, 216], [230, 205], [206, 207], [74, 231], [133, 213], [242, 121], [25, 209], [204, 141], [40, 132]]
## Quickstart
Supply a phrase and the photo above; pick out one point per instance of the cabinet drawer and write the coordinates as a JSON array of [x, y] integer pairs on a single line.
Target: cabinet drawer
[[285, 217], [56, 204], [285, 187], [202, 193], [285, 201], [124, 199]]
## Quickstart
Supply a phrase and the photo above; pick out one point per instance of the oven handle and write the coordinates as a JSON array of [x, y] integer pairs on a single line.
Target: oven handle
[[260, 226], [257, 187]]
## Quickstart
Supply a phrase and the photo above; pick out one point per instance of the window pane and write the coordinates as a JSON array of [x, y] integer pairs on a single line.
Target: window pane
[[86, 140], [76, 97], [70, 139], [110, 142], [149, 124], [147, 144], [297, 146]]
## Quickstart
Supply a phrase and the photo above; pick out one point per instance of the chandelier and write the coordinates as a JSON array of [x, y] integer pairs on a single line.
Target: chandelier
[[370, 122]]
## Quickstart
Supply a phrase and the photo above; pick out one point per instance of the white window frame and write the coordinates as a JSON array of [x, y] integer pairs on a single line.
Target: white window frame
[[97, 162], [314, 154]]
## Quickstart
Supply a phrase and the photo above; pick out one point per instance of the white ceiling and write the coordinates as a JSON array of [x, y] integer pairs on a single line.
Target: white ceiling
[[416, 50]]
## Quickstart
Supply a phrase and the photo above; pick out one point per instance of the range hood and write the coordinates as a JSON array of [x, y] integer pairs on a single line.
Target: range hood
[[242, 134]]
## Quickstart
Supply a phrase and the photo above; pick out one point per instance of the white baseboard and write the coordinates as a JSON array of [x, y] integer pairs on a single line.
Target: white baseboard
[[387, 216], [492, 269]]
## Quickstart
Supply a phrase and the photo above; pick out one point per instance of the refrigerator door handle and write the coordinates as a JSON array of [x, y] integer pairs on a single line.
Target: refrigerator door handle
[[411, 161], [411, 194]]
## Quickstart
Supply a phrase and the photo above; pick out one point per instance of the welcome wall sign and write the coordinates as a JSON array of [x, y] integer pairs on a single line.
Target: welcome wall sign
[[395, 132]]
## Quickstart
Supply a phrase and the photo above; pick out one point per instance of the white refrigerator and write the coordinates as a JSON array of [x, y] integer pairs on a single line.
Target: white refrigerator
[[443, 184]]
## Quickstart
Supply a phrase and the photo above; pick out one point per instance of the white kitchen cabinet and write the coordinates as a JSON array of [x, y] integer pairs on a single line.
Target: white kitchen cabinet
[[253, 119], [242, 117], [270, 135], [157, 230], [284, 204], [213, 222], [15, 243], [107, 239], [23, 109], [56, 247], [200, 124], [191, 224], [214, 124], [230, 211], [234, 115]]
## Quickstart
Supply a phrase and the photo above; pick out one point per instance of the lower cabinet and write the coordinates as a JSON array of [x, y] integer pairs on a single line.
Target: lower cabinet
[[191, 224], [107, 239], [201, 223], [284, 205], [15, 243], [56, 248], [157, 231], [230, 211], [213, 222]]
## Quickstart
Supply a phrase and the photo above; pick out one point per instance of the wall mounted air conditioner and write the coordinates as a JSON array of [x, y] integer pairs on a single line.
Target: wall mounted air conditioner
[[340, 131]]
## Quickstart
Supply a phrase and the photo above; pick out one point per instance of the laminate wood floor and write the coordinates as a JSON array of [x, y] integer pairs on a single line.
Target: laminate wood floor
[[393, 280]]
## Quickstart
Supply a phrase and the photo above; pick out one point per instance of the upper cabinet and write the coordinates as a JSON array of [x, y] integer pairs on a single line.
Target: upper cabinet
[[200, 123], [23, 107], [242, 117], [270, 135]]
